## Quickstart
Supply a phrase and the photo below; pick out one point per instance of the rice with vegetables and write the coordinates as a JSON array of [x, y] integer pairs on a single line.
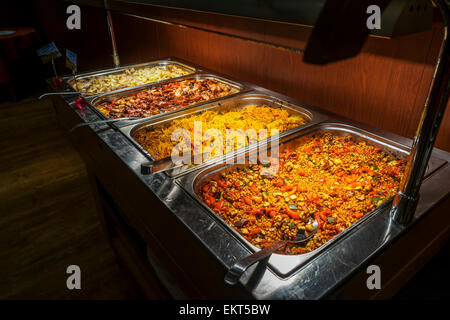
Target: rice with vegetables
[[329, 179]]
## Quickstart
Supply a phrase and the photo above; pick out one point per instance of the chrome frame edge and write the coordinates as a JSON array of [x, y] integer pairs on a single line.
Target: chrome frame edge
[[405, 202]]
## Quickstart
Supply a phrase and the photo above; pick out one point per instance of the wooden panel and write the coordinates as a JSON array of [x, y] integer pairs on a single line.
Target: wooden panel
[[384, 86]]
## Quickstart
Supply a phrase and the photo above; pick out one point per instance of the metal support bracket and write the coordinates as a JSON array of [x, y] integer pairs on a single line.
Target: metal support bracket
[[405, 202]]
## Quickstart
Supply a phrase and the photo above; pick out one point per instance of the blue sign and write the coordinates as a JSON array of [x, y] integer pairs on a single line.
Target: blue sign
[[71, 60], [48, 52]]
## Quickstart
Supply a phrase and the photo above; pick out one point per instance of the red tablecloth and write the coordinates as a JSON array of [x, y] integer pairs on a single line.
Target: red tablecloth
[[10, 47]]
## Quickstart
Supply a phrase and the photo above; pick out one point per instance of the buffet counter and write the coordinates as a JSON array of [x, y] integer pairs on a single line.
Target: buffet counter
[[176, 245]]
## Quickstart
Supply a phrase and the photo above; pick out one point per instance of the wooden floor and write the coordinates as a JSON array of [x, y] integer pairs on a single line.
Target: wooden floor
[[48, 219], [47, 215]]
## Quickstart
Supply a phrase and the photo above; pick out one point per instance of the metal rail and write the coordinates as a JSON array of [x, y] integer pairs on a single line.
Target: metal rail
[[115, 53], [228, 35], [405, 202]]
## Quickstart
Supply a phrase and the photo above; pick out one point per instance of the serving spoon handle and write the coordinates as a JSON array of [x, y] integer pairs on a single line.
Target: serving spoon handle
[[238, 268]]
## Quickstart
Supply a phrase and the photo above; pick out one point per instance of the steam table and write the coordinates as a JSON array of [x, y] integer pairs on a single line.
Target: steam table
[[175, 248]]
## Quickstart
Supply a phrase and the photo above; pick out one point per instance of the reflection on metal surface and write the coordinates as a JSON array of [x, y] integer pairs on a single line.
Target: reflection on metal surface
[[391, 229]]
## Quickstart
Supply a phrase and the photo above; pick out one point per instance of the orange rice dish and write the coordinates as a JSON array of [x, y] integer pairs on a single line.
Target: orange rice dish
[[158, 140], [323, 185]]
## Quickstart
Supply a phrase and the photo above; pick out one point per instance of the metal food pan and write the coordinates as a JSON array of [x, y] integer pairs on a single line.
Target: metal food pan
[[230, 104], [93, 74], [96, 101], [286, 265]]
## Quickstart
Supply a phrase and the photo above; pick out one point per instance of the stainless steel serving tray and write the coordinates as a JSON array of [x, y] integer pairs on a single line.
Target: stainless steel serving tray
[[92, 74], [94, 102], [235, 103], [285, 265]]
